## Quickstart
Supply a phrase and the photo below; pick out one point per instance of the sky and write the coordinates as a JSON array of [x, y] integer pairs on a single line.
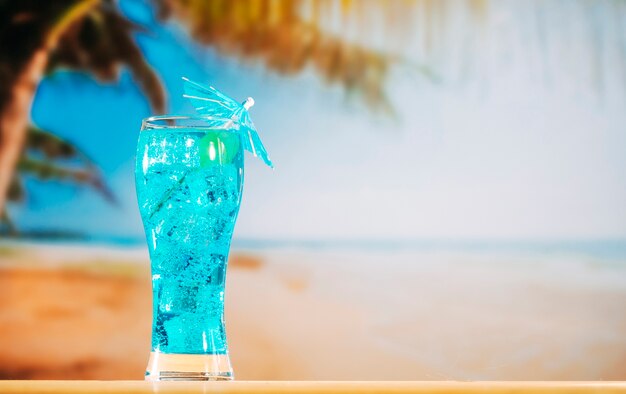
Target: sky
[[518, 148]]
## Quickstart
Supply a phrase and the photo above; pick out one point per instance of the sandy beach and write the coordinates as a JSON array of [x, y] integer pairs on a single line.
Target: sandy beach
[[83, 312]]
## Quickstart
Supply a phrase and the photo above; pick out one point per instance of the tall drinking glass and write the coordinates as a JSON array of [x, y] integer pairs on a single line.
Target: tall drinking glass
[[189, 177]]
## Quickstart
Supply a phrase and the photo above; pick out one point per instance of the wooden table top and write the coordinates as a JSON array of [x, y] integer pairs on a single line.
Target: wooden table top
[[71, 387]]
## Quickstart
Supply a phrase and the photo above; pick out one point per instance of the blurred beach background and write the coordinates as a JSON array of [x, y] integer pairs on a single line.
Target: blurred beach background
[[448, 202]]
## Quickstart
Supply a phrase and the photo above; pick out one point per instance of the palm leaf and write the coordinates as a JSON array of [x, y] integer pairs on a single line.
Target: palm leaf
[[44, 169], [74, 13], [276, 33], [52, 146], [101, 43], [7, 223], [16, 191]]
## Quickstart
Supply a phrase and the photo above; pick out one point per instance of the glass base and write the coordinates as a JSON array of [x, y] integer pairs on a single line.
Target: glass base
[[162, 366]]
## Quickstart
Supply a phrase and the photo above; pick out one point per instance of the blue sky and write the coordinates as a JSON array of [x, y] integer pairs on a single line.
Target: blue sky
[[499, 155]]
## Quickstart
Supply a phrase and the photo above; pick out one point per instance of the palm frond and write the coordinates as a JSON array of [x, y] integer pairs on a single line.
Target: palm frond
[[52, 146], [102, 42], [45, 169], [276, 33], [16, 191], [74, 13], [7, 226]]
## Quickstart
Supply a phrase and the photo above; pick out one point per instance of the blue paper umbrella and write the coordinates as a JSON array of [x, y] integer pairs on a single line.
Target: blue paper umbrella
[[209, 101]]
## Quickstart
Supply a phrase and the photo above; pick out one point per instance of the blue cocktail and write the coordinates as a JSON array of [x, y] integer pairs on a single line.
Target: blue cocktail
[[189, 177]]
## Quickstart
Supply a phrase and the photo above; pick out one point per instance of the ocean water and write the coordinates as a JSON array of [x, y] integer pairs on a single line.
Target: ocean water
[[605, 249], [189, 185]]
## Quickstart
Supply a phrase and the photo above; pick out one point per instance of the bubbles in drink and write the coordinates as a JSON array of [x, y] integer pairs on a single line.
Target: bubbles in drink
[[189, 188]]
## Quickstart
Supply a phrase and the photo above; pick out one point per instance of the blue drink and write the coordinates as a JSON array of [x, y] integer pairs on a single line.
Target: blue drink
[[189, 183]]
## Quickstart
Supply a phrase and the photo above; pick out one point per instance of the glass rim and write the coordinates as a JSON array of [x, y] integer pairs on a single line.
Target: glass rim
[[162, 122]]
